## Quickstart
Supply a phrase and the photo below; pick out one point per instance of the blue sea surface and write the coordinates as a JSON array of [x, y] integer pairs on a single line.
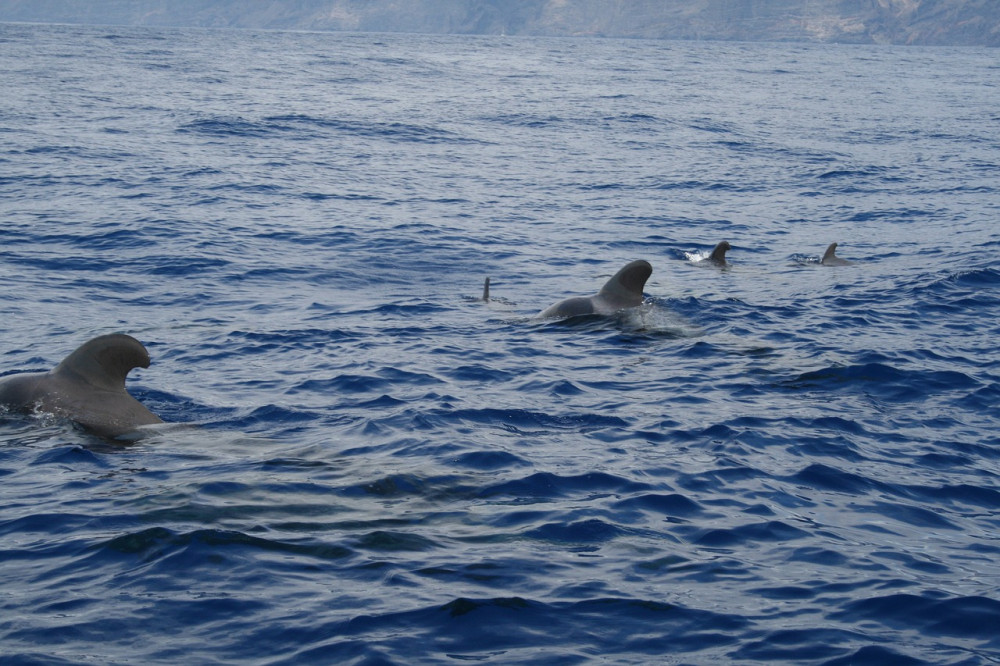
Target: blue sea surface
[[776, 461]]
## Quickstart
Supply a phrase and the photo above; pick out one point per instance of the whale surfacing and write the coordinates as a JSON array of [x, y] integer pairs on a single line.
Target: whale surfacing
[[718, 256], [831, 259], [87, 387], [623, 290]]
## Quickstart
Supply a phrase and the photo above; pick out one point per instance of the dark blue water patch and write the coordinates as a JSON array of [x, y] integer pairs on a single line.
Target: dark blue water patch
[[696, 185], [271, 418], [525, 422], [892, 215], [883, 381], [919, 563], [385, 378], [207, 546], [587, 531], [267, 342], [633, 119], [559, 387], [770, 531], [52, 534], [786, 592], [805, 645], [879, 173], [222, 126], [411, 417], [525, 120], [821, 556], [984, 278], [971, 288], [943, 461], [482, 374], [712, 481], [875, 655], [963, 494], [825, 477], [974, 617], [911, 515], [416, 309], [714, 570], [247, 188], [71, 455], [394, 131], [714, 126], [63, 265], [302, 276], [340, 196], [330, 238], [430, 488], [715, 433], [103, 237], [386, 541], [505, 629], [547, 486], [490, 460], [673, 504]]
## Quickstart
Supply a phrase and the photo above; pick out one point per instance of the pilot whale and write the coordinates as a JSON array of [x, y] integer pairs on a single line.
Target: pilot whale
[[87, 387], [718, 256], [623, 290], [831, 259]]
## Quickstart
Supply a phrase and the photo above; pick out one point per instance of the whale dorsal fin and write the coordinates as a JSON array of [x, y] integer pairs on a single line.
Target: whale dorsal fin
[[625, 287], [829, 254], [718, 255], [105, 361], [831, 259]]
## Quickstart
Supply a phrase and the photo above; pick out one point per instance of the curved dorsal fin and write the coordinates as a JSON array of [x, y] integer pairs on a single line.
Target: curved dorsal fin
[[718, 255], [829, 254], [105, 361], [627, 284]]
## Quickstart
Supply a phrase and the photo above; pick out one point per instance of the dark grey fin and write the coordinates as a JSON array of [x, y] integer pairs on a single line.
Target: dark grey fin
[[625, 287], [486, 290], [831, 259], [105, 361], [718, 255], [830, 253]]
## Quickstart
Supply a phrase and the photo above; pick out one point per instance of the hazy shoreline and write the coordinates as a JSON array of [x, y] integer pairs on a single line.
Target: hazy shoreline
[[915, 22]]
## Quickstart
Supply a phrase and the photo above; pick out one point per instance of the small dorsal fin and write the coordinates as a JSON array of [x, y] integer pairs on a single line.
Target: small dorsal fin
[[105, 361], [486, 290], [830, 253]]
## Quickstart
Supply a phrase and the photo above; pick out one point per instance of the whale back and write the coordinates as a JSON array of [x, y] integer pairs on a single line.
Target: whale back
[[624, 289], [570, 307], [87, 387]]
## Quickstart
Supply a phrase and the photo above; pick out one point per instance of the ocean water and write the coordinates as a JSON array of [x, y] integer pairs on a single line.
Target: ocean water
[[774, 461]]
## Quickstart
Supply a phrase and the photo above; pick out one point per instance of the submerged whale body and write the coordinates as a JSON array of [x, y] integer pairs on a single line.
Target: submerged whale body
[[831, 259], [623, 290], [88, 387]]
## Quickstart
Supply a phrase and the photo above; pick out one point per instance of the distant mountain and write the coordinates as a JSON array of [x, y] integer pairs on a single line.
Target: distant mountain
[[927, 22]]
